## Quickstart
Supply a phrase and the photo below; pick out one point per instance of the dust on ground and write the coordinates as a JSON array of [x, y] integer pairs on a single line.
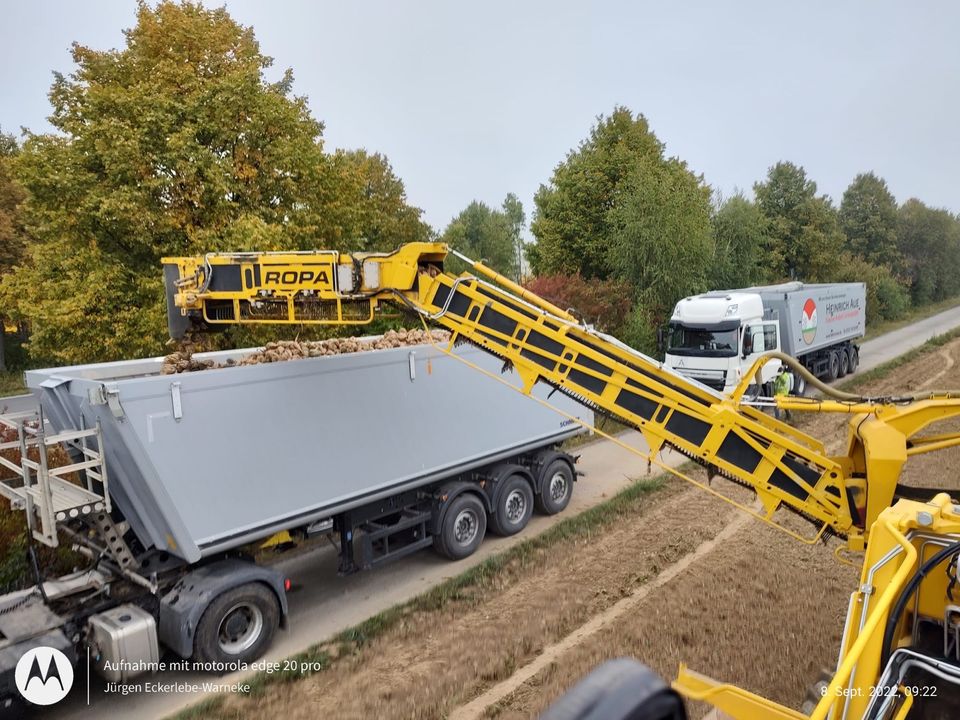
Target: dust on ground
[[761, 610]]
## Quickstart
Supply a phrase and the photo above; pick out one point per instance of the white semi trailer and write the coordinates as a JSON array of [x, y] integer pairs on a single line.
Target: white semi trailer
[[715, 337], [386, 451]]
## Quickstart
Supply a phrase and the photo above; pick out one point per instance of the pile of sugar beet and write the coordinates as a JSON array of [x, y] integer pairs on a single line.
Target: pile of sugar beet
[[183, 360]]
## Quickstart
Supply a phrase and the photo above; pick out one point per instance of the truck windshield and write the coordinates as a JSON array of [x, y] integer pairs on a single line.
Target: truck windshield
[[707, 341]]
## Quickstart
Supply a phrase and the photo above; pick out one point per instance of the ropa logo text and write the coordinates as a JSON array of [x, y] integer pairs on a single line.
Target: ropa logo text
[[296, 277]]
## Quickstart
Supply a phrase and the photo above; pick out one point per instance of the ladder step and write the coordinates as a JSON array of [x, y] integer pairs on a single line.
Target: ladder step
[[68, 497], [68, 436]]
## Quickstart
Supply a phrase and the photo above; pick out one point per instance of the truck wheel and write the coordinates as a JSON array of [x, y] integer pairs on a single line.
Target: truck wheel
[[514, 506], [833, 366], [799, 385], [464, 525], [844, 363], [556, 487], [237, 625], [854, 354]]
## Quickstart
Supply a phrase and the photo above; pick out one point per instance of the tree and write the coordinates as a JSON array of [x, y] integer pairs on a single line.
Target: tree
[[11, 226], [660, 238], [602, 303], [804, 235], [380, 219], [572, 223], [483, 233], [616, 207], [929, 241], [516, 221], [173, 144], [740, 238], [868, 218]]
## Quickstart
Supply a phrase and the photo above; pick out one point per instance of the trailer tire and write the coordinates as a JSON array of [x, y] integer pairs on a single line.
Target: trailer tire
[[463, 526], [844, 362], [833, 366], [238, 625], [799, 384], [556, 487], [514, 506], [854, 354]]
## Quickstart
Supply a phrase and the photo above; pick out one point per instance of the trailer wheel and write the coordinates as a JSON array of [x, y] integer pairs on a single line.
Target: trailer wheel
[[833, 366], [799, 385], [844, 362], [854, 354], [237, 625], [514, 506], [463, 527], [556, 487]]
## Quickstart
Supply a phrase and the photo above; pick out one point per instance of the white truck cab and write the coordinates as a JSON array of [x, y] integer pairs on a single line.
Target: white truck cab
[[715, 337]]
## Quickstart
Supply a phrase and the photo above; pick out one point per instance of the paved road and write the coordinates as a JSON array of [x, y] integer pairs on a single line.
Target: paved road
[[886, 347], [322, 604]]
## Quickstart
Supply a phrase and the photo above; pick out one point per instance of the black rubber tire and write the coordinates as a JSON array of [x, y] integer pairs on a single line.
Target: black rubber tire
[[555, 496], [833, 367], [854, 358], [206, 642], [799, 385], [844, 362], [463, 508], [515, 499]]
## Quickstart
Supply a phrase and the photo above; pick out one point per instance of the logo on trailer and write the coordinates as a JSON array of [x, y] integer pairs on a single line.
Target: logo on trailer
[[44, 675], [808, 321]]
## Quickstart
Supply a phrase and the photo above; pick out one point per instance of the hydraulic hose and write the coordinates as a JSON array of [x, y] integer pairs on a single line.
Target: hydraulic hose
[[828, 390]]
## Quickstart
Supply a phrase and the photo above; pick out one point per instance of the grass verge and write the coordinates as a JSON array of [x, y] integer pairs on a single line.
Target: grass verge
[[467, 588], [11, 383]]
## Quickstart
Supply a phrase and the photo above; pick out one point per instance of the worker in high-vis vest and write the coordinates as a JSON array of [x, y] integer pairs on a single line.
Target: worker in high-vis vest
[[781, 386]]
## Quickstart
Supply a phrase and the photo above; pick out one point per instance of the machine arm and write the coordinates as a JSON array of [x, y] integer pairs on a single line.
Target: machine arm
[[540, 341]]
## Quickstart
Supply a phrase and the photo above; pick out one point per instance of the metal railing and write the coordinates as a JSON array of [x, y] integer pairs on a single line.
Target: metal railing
[[44, 492]]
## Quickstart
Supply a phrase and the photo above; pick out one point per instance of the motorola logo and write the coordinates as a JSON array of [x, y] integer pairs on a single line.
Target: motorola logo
[[44, 675]]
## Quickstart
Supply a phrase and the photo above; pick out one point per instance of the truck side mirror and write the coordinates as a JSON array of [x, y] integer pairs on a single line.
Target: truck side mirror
[[660, 340]]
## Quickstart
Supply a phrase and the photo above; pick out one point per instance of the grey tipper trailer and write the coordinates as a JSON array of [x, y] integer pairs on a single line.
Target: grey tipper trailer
[[387, 451]]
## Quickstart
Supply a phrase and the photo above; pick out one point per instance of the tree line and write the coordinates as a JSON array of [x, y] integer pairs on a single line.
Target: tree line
[[617, 209], [177, 144]]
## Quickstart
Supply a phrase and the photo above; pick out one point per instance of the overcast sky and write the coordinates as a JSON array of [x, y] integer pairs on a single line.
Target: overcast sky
[[475, 100]]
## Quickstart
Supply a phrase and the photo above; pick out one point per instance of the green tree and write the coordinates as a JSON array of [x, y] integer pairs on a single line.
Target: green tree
[[516, 221], [929, 241], [12, 239], [868, 218], [572, 222], [175, 143], [740, 239], [379, 217], [482, 233], [804, 236], [11, 196], [616, 207], [660, 241]]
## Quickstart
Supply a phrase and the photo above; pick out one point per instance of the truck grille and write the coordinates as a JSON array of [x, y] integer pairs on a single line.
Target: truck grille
[[716, 379]]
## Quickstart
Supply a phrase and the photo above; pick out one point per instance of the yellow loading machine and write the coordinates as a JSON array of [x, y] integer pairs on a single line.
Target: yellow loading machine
[[855, 495]]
